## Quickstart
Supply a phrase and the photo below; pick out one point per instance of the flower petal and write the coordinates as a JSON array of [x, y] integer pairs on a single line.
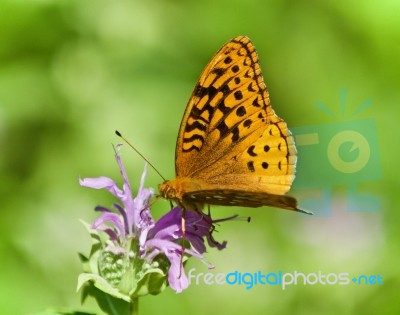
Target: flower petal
[[196, 243], [111, 233], [176, 274], [112, 218], [100, 183], [167, 221], [124, 216], [176, 277]]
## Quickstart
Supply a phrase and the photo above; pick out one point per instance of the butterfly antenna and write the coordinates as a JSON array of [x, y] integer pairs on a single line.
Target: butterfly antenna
[[141, 155]]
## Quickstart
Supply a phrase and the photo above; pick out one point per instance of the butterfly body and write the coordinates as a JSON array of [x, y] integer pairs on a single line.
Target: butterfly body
[[232, 149]]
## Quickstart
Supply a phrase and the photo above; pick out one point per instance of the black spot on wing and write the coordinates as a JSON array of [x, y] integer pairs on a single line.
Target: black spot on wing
[[228, 60], [261, 116], [235, 68], [241, 111], [255, 102], [238, 95], [250, 166], [250, 150], [247, 123], [250, 88]]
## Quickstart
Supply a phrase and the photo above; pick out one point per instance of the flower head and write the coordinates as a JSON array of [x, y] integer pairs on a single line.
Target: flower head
[[138, 253]]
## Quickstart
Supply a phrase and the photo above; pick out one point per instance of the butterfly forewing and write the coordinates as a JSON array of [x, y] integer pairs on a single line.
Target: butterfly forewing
[[227, 107]]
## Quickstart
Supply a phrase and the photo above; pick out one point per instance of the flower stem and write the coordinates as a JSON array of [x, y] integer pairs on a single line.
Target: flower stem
[[134, 307]]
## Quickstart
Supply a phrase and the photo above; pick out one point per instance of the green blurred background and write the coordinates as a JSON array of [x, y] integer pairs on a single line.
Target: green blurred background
[[71, 72]]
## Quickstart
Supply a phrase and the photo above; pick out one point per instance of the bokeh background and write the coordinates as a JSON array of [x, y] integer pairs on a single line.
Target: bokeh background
[[71, 72]]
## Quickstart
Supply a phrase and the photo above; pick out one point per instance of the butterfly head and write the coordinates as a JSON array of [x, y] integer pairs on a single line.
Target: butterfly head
[[168, 190], [177, 189]]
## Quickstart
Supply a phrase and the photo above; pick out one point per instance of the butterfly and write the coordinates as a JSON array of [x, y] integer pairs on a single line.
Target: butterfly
[[232, 149]]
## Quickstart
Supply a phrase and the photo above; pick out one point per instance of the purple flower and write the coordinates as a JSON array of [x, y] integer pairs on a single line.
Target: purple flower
[[168, 229], [132, 231]]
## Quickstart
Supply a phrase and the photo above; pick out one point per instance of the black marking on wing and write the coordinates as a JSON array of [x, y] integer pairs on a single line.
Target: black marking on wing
[[250, 166], [191, 139], [238, 95], [201, 91], [195, 125], [219, 71], [255, 102], [241, 111], [250, 150], [199, 124], [235, 68], [259, 96], [235, 134], [223, 129], [228, 60], [250, 87]]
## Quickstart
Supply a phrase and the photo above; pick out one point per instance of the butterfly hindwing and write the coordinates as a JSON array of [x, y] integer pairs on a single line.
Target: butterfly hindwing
[[242, 199]]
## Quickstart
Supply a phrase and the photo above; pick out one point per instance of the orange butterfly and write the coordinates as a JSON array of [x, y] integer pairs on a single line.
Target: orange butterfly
[[232, 148]]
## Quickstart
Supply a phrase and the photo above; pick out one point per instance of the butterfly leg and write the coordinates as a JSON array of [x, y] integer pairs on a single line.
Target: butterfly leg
[[183, 227]]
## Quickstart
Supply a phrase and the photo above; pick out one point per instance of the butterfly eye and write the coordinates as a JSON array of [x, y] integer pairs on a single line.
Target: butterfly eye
[[171, 192]]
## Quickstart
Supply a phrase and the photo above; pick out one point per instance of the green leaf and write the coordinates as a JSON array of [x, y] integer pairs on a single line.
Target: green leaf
[[153, 282], [108, 304], [90, 265], [102, 285]]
